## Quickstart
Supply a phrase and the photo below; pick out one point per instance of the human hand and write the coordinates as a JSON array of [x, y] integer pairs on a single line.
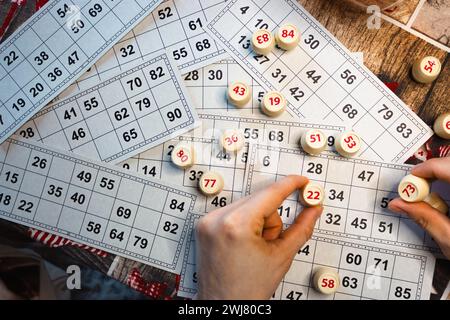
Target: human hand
[[242, 251], [434, 222]]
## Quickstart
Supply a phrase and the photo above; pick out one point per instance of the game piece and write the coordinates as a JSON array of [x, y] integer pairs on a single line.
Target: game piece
[[183, 155], [210, 154], [348, 144], [312, 195], [273, 104], [313, 141], [365, 271], [320, 79], [357, 193], [232, 140], [93, 203], [326, 280], [239, 94], [287, 37], [413, 189], [211, 183], [263, 42], [442, 126], [426, 70], [435, 200], [34, 68], [120, 117]]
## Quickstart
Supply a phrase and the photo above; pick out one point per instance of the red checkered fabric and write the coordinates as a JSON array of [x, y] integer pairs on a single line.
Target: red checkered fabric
[[40, 4], [12, 13], [155, 290], [54, 241]]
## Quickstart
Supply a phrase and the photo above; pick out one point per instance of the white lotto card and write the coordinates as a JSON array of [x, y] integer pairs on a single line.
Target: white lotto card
[[54, 47], [365, 271], [208, 87], [320, 78], [210, 156], [176, 26], [357, 194], [120, 117], [93, 203]]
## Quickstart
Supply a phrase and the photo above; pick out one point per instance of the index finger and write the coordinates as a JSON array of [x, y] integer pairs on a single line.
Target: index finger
[[437, 168], [266, 201]]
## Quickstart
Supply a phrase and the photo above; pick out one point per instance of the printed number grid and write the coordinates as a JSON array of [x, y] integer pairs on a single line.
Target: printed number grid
[[57, 44], [176, 26], [365, 272], [320, 78], [157, 163], [208, 87], [93, 204], [265, 131], [357, 193], [120, 117], [209, 156]]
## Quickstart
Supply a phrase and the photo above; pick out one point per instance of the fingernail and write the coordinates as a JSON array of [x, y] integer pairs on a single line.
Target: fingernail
[[395, 208]]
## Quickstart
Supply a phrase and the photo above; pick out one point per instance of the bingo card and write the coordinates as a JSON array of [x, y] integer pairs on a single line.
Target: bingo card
[[120, 117], [54, 47], [357, 193], [93, 203], [366, 272], [208, 87], [320, 78], [210, 156], [176, 26]]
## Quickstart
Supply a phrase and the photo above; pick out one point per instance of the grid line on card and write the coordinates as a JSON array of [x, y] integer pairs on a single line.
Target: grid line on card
[[24, 171], [42, 191], [42, 91], [156, 162], [89, 201], [358, 204], [66, 195], [218, 31], [159, 222], [106, 175], [184, 66]]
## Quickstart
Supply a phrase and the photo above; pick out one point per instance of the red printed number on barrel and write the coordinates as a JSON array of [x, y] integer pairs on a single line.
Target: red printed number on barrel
[[409, 190], [263, 38], [429, 67], [239, 90], [231, 140], [314, 137], [210, 183], [183, 157], [328, 283], [351, 143], [313, 195]]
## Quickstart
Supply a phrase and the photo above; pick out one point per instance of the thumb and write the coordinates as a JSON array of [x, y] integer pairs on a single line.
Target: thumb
[[433, 221], [294, 237]]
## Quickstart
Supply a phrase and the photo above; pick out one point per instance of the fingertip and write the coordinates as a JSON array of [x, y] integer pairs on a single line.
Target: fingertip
[[298, 180], [396, 205], [313, 212], [420, 169], [317, 210]]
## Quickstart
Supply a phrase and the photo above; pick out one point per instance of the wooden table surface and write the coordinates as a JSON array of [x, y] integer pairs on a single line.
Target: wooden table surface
[[389, 52]]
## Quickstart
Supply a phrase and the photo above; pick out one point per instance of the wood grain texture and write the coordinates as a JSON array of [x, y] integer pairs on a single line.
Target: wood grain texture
[[389, 53]]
